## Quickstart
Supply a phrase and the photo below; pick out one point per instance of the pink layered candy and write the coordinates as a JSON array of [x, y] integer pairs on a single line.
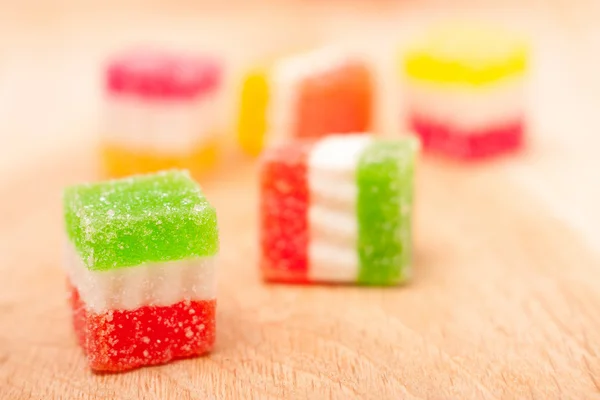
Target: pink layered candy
[[160, 113]]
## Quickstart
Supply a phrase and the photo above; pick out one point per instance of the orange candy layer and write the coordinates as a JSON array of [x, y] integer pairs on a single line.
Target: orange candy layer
[[120, 162], [336, 102]]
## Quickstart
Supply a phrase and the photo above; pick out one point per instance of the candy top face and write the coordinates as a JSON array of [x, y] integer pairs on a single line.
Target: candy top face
[[148, 218], [161, 75], [466, 54], [313, 63]]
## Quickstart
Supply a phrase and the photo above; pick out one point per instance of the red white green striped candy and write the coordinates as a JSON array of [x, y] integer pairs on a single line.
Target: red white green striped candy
[[338, 210]]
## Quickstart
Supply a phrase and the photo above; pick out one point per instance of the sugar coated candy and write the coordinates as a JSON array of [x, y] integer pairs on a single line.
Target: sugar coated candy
[[464, 87], [338, 209], [160, 113], [141, 269], [306, 95]]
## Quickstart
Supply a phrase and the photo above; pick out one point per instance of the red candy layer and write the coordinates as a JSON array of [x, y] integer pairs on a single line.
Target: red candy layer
[[283, 209], [339, 101], [161, 75], [120, 340], [443, 138]]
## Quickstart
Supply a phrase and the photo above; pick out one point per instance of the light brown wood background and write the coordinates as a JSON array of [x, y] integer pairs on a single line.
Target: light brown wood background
[[505, 303]]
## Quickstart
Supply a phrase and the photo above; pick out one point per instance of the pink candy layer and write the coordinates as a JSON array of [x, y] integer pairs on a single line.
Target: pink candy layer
[[474, 144], [162, 75]]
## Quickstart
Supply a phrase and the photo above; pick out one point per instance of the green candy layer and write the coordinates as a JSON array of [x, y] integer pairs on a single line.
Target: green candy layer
[[147, 218], [384, 210]]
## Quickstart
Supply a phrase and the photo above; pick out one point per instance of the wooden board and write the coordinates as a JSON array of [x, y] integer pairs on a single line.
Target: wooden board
[[504, 302]]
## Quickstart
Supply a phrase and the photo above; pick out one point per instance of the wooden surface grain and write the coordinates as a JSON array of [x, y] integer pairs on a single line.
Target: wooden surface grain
[[505, 298]]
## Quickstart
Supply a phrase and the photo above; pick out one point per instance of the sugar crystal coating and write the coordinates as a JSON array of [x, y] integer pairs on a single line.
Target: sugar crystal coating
[[338, 210], [118, 340], [284, 204], [147, 218], [385, 181]]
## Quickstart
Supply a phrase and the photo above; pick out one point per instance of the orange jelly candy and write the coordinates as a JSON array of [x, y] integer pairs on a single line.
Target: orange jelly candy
[[309, 95]]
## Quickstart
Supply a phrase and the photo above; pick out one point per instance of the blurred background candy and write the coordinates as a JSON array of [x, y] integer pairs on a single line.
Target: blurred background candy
[[160, 113], [310, 94], [464, 89]]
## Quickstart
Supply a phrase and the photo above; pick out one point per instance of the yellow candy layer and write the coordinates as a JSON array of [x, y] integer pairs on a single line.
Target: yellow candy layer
[[252, 122], [119, 161], [474, 55]]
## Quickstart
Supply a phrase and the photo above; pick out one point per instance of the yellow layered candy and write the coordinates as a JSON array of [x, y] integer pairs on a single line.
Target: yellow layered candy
[[466, 54]]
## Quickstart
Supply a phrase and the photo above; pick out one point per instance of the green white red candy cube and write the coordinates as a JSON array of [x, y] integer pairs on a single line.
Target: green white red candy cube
[[141, 269]]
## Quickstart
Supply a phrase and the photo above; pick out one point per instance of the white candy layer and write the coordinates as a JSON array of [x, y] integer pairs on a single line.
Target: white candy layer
[[467, 108], [285, 81], [332, 222], [171, 128], [282, 105], [128, 288]]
